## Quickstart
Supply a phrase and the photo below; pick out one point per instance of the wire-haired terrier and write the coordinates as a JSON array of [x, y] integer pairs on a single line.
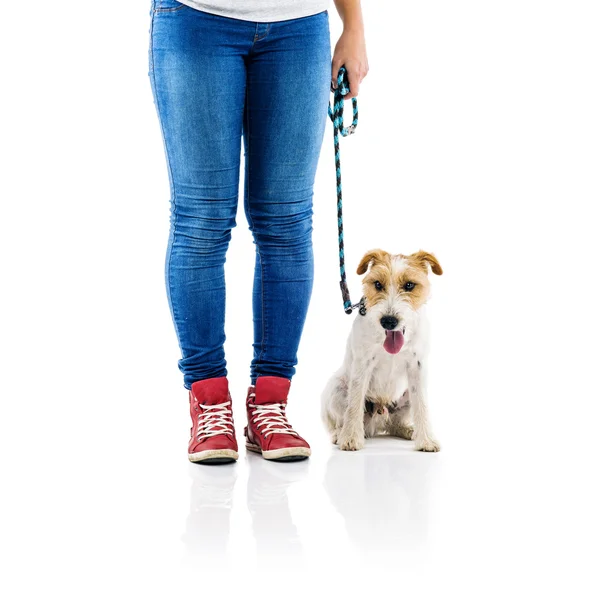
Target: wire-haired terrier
[[380, 387]]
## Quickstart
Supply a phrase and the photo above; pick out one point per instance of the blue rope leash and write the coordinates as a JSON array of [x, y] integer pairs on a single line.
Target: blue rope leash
[[335, 112]]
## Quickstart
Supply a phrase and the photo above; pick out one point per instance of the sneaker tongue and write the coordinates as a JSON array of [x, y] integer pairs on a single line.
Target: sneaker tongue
[[211, 391], [270, 389]]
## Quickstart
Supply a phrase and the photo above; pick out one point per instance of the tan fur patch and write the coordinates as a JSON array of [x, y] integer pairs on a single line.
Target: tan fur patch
[[422, 259], [380, 263], [373, 256], [393, 272]]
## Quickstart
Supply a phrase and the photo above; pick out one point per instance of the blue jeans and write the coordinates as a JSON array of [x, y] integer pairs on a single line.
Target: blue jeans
[[214, 81]]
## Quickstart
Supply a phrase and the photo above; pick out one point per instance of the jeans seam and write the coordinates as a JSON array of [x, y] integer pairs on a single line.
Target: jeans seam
[[247, 203], [173, 187]]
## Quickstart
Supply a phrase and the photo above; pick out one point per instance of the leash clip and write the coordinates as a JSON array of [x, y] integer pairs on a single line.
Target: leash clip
[[351, 129], [361, 306]]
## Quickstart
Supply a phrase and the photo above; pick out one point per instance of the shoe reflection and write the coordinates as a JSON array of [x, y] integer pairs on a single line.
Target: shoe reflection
[[208, 523], [267, 498], [383, 494]]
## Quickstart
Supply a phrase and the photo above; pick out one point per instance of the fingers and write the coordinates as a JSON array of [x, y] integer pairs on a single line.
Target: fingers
[[355, 74], [354, 83]]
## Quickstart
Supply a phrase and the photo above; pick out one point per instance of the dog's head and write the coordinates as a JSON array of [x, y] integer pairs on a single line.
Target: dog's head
[[395, 287]]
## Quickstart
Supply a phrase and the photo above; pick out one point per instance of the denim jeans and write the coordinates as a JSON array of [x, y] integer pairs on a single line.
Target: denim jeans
[[216, 80]]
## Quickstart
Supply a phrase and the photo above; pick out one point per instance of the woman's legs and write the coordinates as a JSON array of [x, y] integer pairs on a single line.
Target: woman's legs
[[202, 66], [198, 75], [287, 93]]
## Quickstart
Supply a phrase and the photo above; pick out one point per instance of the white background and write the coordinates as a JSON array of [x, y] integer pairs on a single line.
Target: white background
[[473, 143]]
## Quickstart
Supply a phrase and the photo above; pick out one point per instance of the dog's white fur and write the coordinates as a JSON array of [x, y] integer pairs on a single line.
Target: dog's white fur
[[393, 383]]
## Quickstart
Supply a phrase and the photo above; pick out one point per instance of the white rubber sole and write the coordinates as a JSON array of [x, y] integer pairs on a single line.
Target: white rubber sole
[[280, 453], [214, 456]]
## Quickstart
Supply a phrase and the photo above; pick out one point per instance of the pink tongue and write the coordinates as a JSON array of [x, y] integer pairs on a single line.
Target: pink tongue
[[393, 342]]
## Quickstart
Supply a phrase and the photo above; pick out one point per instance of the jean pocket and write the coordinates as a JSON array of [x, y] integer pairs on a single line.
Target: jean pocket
[[165, 6]]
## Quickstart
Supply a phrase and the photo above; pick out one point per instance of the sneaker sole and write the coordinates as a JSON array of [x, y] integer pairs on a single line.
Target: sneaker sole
[[281, 454], [214, 457]]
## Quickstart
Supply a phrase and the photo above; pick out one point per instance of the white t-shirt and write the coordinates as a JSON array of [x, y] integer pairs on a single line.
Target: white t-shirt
[[262, 11]]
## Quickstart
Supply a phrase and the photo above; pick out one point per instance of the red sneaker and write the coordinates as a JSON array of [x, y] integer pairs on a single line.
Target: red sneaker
[[213, 439], [268, 431]]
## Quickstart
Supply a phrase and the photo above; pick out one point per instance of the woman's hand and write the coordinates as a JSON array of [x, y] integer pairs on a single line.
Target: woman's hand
[[350, 50]]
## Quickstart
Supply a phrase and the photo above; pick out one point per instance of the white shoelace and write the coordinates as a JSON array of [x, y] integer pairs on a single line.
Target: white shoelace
[[271, 418], [215, 420]]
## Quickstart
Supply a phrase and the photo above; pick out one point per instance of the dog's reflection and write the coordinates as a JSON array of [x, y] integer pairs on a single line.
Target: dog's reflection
[[208, 523], [383, 494], [274, 530]]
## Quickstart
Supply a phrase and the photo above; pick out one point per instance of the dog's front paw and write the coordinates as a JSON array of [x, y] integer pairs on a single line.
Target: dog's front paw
[[351, 441], [427, 445]]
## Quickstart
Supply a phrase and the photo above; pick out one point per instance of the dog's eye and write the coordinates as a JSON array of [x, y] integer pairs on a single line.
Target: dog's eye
[[378, 285], [409, 286]]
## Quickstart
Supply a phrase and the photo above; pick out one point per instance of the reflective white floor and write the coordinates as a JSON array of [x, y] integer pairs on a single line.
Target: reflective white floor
[[499, 521]]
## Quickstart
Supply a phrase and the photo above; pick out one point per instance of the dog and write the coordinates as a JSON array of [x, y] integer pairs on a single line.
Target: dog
[[380, 387]]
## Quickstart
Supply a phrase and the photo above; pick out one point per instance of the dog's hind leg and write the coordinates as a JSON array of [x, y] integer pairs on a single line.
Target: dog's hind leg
[[332, 426], [400, 425], [333, 403], [334, 433], [352, 434]]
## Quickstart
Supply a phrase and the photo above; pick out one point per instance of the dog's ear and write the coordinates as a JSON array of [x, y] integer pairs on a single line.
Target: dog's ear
[[372, 256], [426, 258]]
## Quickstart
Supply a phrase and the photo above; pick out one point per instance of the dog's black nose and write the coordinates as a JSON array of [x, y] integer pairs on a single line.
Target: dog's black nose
[[389, 322]]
